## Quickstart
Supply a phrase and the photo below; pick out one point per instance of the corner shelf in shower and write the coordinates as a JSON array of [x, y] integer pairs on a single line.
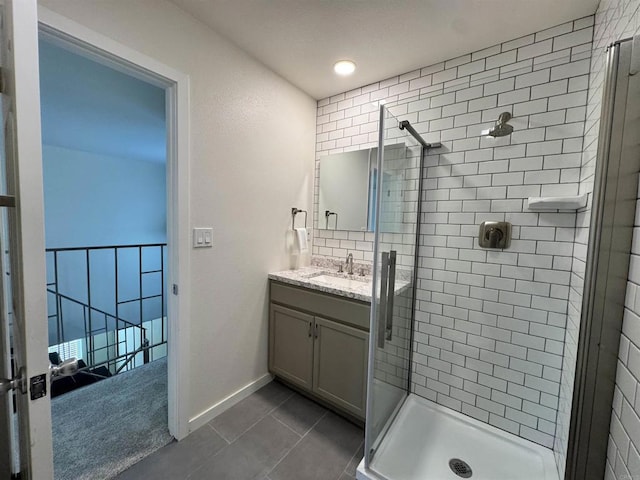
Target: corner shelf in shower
[[573, 202]]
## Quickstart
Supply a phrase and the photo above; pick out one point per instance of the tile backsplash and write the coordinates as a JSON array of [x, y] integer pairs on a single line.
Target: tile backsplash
[[490, 324]]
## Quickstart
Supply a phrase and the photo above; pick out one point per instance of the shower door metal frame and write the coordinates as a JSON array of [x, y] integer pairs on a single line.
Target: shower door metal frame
[[406, 125], [609, 248]]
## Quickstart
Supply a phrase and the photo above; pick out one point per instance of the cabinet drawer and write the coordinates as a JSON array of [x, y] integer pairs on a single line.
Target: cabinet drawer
[[348, 311]]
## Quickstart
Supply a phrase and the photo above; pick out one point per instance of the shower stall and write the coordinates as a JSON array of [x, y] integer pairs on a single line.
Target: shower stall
[[408, 437], [449, 375]]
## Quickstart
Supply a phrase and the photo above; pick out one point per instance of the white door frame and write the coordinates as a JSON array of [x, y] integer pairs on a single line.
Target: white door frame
[[71, 35], [36, 457]]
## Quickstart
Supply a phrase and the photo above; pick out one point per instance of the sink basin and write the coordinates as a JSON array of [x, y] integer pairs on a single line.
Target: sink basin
[[341, 281]]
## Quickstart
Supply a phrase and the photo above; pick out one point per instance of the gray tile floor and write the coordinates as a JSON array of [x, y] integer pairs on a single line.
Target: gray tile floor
[[274, 434]]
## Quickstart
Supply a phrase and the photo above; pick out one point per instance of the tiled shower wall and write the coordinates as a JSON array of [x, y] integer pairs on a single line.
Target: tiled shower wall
[[490, 324], [623, 457], [615, 20]]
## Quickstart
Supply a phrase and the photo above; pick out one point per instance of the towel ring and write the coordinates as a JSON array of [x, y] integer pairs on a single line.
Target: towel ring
[[294, 212]]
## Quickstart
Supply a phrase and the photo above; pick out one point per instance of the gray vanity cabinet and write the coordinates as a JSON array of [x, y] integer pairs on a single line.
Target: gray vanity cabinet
[[291, 345], [319, 343], [340, 365]]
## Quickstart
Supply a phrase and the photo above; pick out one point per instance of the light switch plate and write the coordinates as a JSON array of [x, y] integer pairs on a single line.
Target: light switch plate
[[202, 237]]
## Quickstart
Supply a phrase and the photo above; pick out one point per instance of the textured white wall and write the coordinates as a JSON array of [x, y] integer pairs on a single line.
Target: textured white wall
[[250, 163]]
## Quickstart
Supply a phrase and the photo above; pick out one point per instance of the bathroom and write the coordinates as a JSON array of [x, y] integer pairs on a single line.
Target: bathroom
[[495, 331]]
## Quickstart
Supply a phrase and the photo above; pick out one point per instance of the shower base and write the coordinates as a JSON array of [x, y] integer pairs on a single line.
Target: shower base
[[426, 440]]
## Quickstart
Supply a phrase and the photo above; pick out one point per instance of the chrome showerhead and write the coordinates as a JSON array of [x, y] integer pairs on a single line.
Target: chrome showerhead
[[501, 128]]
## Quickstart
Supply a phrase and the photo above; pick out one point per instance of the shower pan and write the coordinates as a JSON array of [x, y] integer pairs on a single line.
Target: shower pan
[[408, 437]]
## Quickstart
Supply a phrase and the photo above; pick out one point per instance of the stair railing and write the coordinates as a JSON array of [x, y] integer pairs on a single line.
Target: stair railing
[[97, 321], [91, 333]]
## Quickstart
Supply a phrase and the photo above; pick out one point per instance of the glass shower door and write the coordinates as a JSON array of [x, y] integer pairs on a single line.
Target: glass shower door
[[397, 186]]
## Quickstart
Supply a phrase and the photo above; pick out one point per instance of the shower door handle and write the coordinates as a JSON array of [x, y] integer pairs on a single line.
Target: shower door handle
[[391, 293], [382, 309]]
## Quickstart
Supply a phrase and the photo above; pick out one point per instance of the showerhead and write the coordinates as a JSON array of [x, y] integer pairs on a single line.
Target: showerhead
[[501, 128]]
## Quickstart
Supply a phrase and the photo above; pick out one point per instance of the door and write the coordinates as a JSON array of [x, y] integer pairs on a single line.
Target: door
[[340, 365], [23, 343], [291, 345], [395, 248]]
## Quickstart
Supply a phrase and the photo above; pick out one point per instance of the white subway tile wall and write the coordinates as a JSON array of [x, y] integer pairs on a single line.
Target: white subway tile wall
[[623, 457], [615, 20], [490, 324]]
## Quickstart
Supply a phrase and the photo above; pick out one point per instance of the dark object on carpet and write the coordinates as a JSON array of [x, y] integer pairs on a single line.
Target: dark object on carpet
[[81, 379], [104, 428]]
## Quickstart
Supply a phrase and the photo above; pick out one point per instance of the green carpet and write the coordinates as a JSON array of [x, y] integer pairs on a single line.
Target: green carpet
[[104, 428]]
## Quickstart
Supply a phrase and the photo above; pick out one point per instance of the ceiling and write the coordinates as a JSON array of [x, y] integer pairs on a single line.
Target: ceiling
[[302, 39], [90, 107]]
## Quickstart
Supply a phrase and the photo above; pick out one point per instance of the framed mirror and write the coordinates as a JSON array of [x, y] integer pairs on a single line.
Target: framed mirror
[[344, 195], [347, 188]]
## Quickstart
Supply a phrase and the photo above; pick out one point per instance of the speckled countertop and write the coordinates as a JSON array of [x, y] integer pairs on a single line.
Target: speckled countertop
[[351, 286]]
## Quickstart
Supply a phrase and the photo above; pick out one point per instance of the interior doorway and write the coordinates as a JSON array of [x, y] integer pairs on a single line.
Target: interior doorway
[[104, 172], [158, 264], [104, 164]]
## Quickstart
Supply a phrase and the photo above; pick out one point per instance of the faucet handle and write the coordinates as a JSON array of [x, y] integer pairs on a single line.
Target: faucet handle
[[340, 267]]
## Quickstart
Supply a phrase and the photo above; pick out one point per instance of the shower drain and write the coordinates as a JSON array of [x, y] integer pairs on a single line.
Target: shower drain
[[460, 468]]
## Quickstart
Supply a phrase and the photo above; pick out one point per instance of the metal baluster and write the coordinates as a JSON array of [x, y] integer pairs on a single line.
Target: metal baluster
[[117, 317], [59, 326], [141, 295], [106, 339], [91, 341], [162, 294]]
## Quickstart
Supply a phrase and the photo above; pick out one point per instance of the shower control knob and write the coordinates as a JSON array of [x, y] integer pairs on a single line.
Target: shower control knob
[[495, 235]]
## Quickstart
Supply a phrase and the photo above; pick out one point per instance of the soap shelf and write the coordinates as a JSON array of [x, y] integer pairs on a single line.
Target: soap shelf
[[573, 202]]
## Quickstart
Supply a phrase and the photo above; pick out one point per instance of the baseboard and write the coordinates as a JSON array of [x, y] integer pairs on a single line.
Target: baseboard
[[223, 405]]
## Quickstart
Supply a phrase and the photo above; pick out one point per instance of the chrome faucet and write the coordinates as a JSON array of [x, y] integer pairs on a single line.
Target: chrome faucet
[[350, 264]]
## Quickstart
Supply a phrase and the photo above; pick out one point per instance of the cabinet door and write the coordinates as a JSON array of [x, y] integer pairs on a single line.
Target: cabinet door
[[291, 345], [340, 365]]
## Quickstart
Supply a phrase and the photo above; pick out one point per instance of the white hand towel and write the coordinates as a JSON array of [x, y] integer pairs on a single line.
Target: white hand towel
[[291, 245], [301, 236], [291, 242]]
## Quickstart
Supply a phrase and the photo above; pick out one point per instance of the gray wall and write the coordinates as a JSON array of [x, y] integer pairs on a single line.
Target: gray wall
[[93, 200]]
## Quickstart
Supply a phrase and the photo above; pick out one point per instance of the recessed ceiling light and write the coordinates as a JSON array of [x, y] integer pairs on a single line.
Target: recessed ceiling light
[[344, 67]]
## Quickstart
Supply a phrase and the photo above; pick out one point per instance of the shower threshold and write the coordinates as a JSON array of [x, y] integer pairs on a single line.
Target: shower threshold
[[430, 442]]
